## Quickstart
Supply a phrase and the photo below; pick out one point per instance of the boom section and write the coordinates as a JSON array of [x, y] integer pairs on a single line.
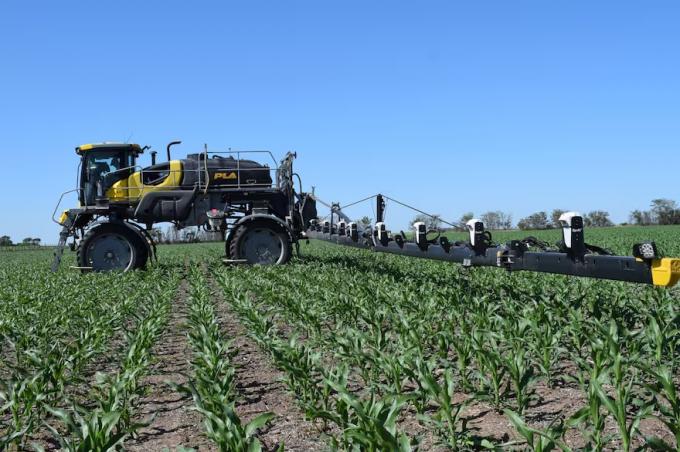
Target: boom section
[[574, 257]]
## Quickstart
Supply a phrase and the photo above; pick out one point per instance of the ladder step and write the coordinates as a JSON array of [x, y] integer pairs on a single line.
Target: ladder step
[[234, 261]]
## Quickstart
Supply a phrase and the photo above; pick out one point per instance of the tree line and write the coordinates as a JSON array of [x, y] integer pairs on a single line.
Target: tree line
[[662, 212], [5, 240]]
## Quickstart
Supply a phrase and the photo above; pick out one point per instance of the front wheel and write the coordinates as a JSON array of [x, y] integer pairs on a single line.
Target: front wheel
[[112, 247], [260, 243]]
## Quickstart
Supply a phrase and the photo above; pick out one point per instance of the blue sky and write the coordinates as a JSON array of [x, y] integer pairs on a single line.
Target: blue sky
[[452, 106]]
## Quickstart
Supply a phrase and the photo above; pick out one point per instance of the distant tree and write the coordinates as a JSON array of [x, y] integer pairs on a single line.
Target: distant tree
[[635, 217], [464, 219], [27, 241], [467, 217], [365, 223], [555, 217], [641, 218], [490, 220], [506, 220], [435, 222], [598, 219], [35, 241], [431, 222], [538, 220], [5, 241], [497, 220], [665, 211]]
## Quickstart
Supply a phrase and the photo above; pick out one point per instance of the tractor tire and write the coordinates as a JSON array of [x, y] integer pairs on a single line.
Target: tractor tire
[[112, 247], [260, 243]]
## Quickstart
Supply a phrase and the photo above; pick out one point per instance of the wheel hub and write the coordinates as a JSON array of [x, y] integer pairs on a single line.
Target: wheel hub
[[110, 251], [264, 253], [262, 246]]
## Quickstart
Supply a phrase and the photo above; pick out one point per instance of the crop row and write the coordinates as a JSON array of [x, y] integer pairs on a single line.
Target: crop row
[[213, 385]]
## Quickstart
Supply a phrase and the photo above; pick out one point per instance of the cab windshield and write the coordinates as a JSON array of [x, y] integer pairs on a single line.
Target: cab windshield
[[101, 169], [105, 162]]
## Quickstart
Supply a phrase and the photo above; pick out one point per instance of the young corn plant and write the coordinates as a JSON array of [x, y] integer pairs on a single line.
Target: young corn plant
[[223, 426], [539, 440], [544, 342], [662, 334], [491, 372], [610, 369], [463, 345], [393, 365], [91, 430], [666, 402], [591, 415], [23, 398], [369, 425], [302, 371], [448, 420], [521, 374]]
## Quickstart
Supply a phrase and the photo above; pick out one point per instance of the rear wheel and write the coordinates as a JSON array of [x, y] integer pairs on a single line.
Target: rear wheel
[[260, 243], [112, 247]]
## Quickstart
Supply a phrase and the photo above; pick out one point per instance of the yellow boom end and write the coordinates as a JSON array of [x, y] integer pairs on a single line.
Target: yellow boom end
[[666, 272]]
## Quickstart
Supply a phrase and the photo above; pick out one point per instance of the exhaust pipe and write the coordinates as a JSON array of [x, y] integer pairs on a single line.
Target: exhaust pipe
[[171, 145]]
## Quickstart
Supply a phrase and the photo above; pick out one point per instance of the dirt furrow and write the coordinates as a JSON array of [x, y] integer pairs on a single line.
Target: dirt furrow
[[261, 390], [173, 423]]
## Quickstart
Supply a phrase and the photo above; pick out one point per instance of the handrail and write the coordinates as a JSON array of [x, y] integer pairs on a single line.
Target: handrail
[[61, 198]]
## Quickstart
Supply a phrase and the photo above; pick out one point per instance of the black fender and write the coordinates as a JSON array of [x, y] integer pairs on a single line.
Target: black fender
[[137, 230], [151, 245], [260, 217]]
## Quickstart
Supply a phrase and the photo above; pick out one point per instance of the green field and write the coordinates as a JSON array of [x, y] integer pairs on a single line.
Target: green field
[[342, 349]]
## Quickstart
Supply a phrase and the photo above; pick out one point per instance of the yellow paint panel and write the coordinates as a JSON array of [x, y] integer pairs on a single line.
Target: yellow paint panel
[[132, 189], [118, 191]]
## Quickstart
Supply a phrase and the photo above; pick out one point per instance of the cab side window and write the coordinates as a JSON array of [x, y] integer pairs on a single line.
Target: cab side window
[[155, 174]]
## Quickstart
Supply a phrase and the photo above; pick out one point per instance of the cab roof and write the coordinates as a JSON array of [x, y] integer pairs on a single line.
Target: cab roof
[[80, 150]]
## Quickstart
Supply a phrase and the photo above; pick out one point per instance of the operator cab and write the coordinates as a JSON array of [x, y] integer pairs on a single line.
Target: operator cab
[[102, 165]]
